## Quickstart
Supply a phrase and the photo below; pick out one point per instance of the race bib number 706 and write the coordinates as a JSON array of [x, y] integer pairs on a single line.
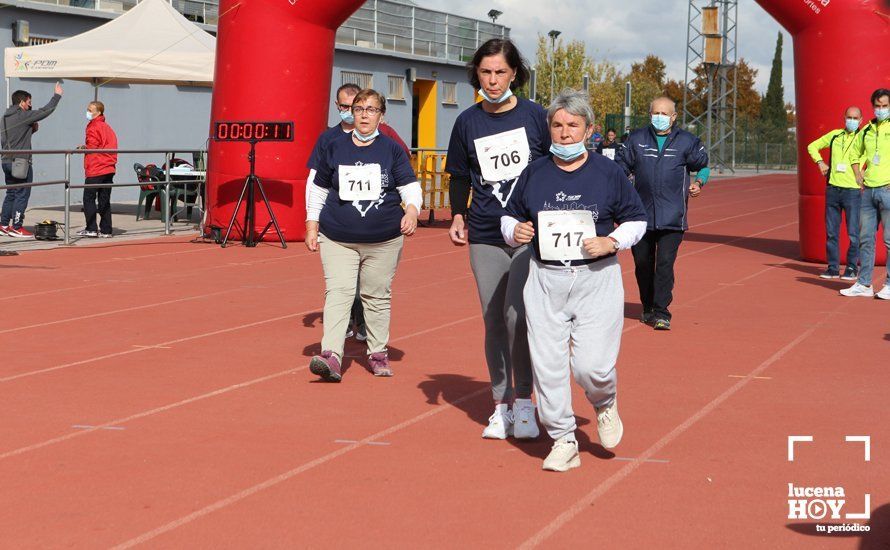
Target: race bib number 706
[[503, 156]]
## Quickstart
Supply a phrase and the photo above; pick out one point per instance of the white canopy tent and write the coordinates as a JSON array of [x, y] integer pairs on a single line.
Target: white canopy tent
[[151, 42]]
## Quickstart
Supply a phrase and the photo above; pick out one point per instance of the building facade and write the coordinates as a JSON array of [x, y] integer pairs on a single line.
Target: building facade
[[415, 57]]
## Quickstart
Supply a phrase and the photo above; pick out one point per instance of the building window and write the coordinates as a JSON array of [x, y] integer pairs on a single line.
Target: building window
[[362, 80], [39, 40], [449, 93], [396, 87]]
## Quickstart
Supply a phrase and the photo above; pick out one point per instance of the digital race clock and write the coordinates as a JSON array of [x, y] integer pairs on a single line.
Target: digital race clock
[[249, 131]]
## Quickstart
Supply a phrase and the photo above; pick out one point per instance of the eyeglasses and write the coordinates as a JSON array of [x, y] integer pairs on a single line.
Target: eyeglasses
[[344, 106], [370, 110]]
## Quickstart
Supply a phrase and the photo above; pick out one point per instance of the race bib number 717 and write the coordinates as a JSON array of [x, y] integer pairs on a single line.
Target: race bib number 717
[[561, 234]]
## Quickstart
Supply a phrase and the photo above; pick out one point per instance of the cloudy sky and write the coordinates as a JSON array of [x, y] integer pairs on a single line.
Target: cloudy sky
[[625, 31]]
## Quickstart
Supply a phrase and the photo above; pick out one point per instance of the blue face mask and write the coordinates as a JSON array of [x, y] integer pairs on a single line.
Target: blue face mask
[[661, 122], [882, 114], [504, 97], [852, 124], [568, 152], [366, 138], [346, 116]]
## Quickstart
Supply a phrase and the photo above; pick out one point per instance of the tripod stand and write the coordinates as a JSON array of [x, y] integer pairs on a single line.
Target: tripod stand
[[247, 234]]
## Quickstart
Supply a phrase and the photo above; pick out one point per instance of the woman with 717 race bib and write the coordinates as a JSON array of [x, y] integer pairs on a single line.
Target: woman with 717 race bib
[[354, 211], [568, 207], [491, 143]]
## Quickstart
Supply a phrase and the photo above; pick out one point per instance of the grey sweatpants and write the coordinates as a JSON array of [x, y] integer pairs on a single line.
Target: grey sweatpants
[[575, 318], [500, 273]]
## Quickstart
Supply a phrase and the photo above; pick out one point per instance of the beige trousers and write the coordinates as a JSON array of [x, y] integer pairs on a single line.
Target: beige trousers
[[374, 266]]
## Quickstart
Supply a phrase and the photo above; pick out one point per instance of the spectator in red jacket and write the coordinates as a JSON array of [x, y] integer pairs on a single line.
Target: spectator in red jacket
[[99, 168]]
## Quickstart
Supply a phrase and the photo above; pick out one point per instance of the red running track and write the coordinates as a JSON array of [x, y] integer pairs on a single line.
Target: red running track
[[156, 394]]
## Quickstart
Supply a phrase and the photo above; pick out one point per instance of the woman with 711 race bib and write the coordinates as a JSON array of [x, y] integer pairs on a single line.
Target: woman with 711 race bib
[[491, 143], [568, 206], [354, 215]]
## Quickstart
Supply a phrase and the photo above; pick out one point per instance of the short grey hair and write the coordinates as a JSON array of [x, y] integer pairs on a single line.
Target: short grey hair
[[573, 102]]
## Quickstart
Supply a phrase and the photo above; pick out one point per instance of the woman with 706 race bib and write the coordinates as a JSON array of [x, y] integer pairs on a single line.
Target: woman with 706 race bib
[[491, 143], [567, 206], [354, 211]]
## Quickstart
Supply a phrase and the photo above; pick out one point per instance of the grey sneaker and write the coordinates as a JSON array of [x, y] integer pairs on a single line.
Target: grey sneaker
[[378, 363], [105, 235], [563, 456], [830, 274], [662, 324], [85, 233], [850, 274], [647, 317], [524, 424], [327, 366]]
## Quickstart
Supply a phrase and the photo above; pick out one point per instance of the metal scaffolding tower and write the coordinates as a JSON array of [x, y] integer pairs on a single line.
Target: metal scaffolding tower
[[709, 97]]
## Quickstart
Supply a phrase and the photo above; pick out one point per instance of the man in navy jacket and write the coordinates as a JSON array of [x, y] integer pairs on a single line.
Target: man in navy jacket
[[660, 158]]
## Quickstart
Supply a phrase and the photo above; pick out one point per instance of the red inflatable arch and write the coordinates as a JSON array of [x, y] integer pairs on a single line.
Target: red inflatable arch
[[840, 57], [273, 63]]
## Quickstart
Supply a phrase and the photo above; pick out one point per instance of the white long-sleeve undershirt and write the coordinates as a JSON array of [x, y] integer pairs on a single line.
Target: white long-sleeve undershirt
[[411, 194], [626, 234]]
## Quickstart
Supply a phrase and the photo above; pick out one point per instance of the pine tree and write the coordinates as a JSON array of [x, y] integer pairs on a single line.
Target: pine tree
[[773, 118]]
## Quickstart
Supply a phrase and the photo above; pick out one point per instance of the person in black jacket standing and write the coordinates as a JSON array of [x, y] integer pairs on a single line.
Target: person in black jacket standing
[[660, 158]]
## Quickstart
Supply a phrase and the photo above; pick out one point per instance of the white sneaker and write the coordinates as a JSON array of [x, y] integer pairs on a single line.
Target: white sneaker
[[524, 424], [563, 456], [884, 294], [608, 425], [500, 423], [858, 290]]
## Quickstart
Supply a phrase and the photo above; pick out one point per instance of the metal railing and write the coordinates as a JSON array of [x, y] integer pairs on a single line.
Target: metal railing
[[199, 11], [405, 28], [168, 158]]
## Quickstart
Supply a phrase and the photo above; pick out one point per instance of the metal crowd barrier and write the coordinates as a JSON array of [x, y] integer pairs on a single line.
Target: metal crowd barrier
[[168, 158], [429, 166]]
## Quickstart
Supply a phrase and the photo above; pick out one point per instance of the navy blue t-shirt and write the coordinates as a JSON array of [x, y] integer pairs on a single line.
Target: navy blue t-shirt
[[490, 197], [321, 144], [363, 221], [599, 185]]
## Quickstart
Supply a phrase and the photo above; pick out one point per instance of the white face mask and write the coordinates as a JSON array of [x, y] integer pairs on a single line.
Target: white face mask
[[89, 115]]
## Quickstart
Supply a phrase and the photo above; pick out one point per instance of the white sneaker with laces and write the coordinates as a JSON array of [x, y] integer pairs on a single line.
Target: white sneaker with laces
[[524, 424], [884, 294], [858, 290], [563, 455], [500, 423], [608, 425]]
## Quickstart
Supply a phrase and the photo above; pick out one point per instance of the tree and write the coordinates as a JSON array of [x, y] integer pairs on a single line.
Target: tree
[[652, 68], [606, 89], [568, 63], [747, 98], [773, 117]]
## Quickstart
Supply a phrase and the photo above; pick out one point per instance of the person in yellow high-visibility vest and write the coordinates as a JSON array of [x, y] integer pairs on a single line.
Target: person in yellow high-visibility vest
[[873, 149], [841, 194]]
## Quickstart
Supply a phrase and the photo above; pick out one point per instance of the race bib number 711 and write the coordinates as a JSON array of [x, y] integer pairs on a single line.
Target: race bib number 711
[[561, 234], [360, 183]]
